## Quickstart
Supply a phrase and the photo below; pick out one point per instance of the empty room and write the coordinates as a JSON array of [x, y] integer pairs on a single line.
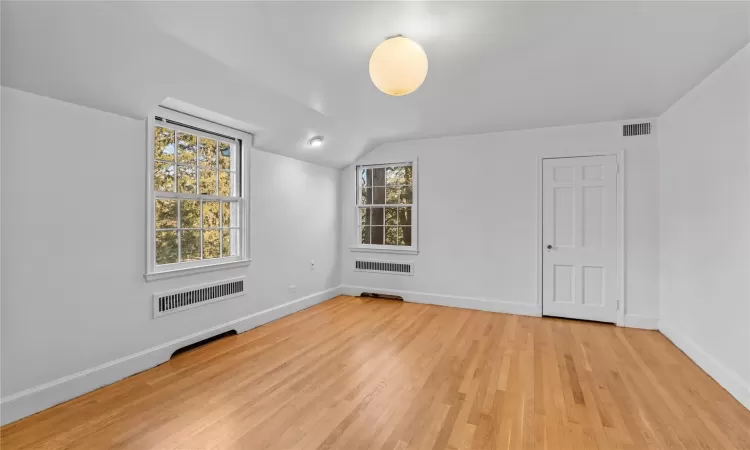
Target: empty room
[[375, 225]]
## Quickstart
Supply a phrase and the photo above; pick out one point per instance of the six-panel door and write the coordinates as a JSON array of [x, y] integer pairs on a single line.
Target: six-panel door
[[579, 223]]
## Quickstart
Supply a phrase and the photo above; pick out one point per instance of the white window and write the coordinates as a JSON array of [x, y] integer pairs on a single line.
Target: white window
[[197, 202], [387, 208]]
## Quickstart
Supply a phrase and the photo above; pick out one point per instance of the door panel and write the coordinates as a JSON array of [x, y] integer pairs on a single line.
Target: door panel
[[579, 228], [564, 283], [564, 220]]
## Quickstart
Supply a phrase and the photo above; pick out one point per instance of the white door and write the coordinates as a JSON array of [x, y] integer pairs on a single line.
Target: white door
[[579, 223]]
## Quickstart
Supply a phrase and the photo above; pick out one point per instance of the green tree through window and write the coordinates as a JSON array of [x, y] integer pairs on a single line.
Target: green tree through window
[[196, 196], [385, 202]]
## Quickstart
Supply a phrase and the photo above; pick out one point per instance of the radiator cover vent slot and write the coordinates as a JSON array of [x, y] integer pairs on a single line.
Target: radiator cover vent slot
[[190, 297], [636, 129], [390, 267]]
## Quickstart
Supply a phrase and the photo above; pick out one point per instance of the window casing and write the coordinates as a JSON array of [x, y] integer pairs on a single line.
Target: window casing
[[197, 208], [386, 208]]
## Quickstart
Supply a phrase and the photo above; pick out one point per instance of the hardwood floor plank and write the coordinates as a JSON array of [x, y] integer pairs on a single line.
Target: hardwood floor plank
[[356, 373]]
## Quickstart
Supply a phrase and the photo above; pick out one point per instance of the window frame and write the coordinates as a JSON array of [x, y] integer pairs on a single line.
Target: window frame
[[244, 144], [413, 249]]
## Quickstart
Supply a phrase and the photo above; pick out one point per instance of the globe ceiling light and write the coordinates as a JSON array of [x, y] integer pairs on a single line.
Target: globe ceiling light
[[315, 142], [398, 66]]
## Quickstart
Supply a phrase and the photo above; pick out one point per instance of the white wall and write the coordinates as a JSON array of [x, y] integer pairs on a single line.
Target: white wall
[[73, 240], [478, 217], [704, 145]]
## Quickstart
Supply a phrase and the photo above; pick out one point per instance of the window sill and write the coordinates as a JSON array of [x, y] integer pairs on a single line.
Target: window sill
[[153, 276], [383, 249]]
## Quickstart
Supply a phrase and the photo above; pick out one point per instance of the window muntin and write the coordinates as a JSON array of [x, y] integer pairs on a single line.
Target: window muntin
[[197, 197], [385, 202]]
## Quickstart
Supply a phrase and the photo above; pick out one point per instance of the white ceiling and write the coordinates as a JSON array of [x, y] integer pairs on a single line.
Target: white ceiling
[[292, 70]]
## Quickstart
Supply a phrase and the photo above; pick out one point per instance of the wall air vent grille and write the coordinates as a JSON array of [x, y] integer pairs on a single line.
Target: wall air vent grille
[[390, 267], [636, 129], [182, 299]]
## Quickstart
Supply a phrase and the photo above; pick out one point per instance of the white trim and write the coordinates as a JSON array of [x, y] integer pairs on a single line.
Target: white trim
[[154, 272], [621, 239], [620, 154], [184, 271], [726, 377], [413, 249], [214, 198], [481, 304], [197, 122], [383, 249], [150, 221], [384, 165], [485, 304], [38, 398], [193, 264], [642, 322]]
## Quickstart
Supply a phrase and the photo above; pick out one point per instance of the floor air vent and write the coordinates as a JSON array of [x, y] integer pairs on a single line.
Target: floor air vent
[[182, 299], [392, 267], [206, 341], [381, 296], [636, 129]]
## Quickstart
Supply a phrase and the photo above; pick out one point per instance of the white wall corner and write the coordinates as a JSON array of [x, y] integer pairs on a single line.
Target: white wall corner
[[642, 322], [727, 378], [480, 304], [38, 398]]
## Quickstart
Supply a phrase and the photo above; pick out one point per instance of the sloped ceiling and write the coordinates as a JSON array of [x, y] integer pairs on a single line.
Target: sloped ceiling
[[292, 70]]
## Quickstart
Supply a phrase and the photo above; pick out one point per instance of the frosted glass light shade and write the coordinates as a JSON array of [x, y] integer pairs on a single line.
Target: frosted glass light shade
[[398, 66]]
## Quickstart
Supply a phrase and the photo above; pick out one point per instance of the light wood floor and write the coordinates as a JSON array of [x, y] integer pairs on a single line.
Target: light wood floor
[[375, 374]]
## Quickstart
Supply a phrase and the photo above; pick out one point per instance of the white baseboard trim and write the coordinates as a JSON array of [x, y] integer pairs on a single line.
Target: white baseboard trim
[[38, 398], [642, 322], [727, 378], [481, 304], [484, 304]]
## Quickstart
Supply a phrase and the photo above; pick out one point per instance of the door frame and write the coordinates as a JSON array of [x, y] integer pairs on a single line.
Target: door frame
[[620, 220]]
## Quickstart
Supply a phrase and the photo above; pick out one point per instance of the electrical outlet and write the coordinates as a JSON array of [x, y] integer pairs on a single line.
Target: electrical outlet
[[292, 288], [312, 264]]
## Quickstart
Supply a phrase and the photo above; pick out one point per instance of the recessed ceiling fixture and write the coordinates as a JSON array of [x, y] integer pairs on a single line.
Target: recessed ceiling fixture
[[315, 142], [398, 66]]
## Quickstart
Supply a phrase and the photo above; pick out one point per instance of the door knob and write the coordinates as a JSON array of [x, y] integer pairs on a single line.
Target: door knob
[[549, 247]]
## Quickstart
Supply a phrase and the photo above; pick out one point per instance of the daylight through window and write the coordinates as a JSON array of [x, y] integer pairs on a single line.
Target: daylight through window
[[385, 202], [196, 196]]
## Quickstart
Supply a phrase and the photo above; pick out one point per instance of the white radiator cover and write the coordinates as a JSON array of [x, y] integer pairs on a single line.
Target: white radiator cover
[[387, 267], [193, 296]]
